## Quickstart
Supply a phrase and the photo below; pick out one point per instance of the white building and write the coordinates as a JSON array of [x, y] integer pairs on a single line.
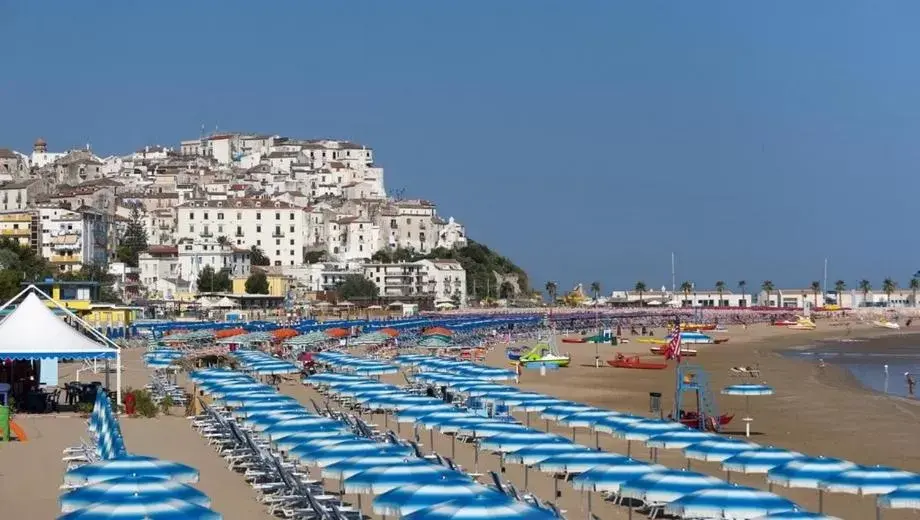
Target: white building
[[72, 238], [397, 280], [196, 254], [323, 276], [446, 279], [41, 156], [277, 228]]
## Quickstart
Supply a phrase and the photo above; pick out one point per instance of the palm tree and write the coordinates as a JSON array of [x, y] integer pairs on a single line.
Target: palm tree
[[914, 285], [741, 285], [865, 287], [720, 286], [595, 291], [551, 289], [815, 289], [686, 287], [888, 286], [767, 287], [839, 287], [640, 288]]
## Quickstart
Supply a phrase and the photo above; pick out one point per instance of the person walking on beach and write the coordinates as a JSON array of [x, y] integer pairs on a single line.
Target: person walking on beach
[[910, 383], [517, 373]]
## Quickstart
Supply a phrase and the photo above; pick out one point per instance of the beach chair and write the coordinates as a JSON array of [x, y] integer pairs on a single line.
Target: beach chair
[[497, 482]]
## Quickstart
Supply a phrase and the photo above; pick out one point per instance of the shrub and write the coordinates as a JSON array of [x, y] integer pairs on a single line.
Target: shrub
[[143, 403]]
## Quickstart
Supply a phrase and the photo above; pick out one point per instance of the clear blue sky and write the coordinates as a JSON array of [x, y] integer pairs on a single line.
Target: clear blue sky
[[586, 140]]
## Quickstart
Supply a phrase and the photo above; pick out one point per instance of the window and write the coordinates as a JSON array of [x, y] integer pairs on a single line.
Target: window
[[239, 215], [258, 229], [206, 216], [291, 216], [191, 228], [277, 252], [292, 229], [191, 215], [258, 242], [277, 216], [292, 241], [292, 252], [258, 216], [220, 216], [277, 241]]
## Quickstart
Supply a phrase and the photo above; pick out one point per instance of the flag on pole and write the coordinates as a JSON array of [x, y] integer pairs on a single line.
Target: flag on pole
[[672, 351]]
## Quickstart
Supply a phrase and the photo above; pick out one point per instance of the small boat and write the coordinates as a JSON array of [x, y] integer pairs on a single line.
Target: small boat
[[697, 327], [622, 361], [698, 338], [574, 340], [803, 323], [544, 354], [689, 352], [885, 324]]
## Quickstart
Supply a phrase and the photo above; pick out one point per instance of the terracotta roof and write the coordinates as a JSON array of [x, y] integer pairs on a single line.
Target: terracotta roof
[[163, 250]]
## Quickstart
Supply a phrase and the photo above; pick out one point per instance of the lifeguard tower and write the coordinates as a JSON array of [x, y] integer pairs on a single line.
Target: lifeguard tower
[[694, 379]]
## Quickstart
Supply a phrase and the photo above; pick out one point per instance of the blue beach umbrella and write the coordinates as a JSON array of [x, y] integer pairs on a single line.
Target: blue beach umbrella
[[349, 467], [486, 506], [614, 423], [416, 412], [138, 507], [436, 419], [263, 420], [130, 466], [609, 478], [325, 438], [382, 479], [644, 430], [717, 450], [732, 502], [580, 461], [325, 455], [242, 399], [409, 499], [535, 454], [667, 486], [679, 439], [284, 428], [808, 472], [905, 497], [275, 405], [506, 442], [796, 515], [562, 411], [492, 428], [117, 490], [868, 480], [759, 460]]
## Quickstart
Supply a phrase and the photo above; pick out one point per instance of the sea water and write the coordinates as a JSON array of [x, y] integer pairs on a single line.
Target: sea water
[[882, 370]]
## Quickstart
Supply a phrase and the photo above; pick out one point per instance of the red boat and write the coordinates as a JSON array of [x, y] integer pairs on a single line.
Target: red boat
[[622, 361], [692, 420], [689, 352], [574, 340]]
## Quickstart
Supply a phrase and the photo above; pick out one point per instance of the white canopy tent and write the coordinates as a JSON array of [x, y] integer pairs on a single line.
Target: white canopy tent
[[33, 332]]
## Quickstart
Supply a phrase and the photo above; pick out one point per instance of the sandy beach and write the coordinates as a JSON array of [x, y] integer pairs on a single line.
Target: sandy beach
[[819, 411]]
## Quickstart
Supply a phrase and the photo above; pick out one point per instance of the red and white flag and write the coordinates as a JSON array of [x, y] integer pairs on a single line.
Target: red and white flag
[[672, 351]]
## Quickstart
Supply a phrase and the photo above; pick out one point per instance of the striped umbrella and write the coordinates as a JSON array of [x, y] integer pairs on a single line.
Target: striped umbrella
[[609, 478], [562, 411], [587, 418], [734, 502], [349, 467], [416, 412], [796, 515], [382, 479], [275, 405], [323, 456], [116, 490], [138, 507], [580, 461], [514, 441], [319, 438], [437, 419], [747, 390], [679, 439], [535, 454], [130, 466], [485, 506], [667, 486], [868, 480], [905, 497], [283, 428], [717, 450], [491, 428], [262, 420], [328, 377], [612, 424], [759, 460], [409, 499], [245, 398], [808, 472]]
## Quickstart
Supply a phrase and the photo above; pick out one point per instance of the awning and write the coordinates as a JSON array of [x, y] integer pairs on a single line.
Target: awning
[[32, 331]]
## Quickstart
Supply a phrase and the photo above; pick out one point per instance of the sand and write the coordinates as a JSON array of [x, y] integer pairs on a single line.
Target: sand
[[820, 411]]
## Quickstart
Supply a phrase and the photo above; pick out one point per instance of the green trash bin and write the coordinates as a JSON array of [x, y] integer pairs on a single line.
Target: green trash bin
[[5, 423]]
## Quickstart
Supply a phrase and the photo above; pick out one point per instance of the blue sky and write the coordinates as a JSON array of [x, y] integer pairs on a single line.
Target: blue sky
[[585, 140]]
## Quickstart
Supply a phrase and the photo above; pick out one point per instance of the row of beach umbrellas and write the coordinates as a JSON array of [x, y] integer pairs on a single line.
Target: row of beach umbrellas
[[402, 483], [258, 362], [356, 365]]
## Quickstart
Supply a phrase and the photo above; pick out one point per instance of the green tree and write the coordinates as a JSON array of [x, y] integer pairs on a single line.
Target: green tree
[[506, 290], [741, 285], [839, 287], [257, 283], [720, 287], [355, 286], [222, 240], [551, 290], [133, 241], [641, 288], [767, 287], [210, 280], [816, 289], [914, 285], [382, 257], [257, 257], [888, 285], [312, 257], [685, 288], [865, 286]]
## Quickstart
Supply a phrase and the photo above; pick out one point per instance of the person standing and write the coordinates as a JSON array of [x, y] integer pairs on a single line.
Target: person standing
[[910, 383], [517, 373]]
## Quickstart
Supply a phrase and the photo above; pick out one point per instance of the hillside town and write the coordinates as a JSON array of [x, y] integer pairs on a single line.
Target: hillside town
[[308, 214]]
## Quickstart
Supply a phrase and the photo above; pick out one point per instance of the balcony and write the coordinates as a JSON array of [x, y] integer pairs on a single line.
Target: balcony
[[62, 259], [239, 234], [16, 217], [277, 234], [15, 232], [206, 234]]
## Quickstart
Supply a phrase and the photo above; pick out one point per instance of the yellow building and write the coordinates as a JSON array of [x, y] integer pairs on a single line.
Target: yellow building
[[278, 285], [17, 226], [79, 296]]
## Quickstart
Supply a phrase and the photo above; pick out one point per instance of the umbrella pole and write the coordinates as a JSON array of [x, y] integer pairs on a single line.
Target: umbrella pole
[[547, 425], [528, 418], [573, 434], [431, 439], [588, 493], [597, 440], [476, 458], [820, 500], [453, 446], [526, 475], [728, 477], [628, 448]]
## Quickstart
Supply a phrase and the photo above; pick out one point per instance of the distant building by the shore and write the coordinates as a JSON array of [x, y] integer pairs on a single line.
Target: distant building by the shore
[[792, 298]]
